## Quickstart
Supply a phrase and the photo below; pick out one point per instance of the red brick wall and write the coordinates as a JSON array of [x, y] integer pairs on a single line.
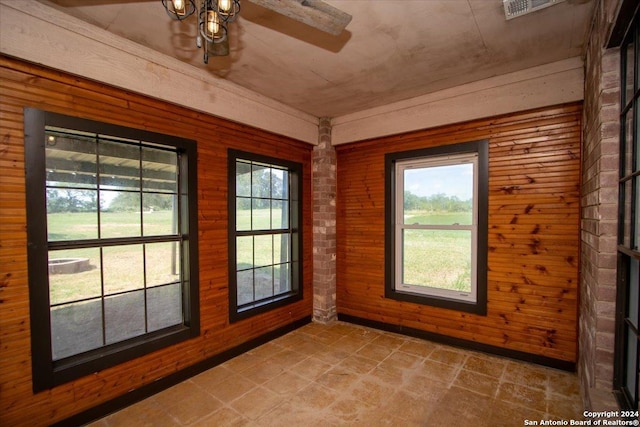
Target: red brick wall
[[324, 225]]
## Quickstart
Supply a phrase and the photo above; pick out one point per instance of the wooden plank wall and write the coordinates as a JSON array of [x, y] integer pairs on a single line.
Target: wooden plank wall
[[23, 85], [534, 183]]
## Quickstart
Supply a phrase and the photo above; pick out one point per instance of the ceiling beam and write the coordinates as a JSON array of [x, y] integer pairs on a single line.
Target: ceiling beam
[[314, 13]]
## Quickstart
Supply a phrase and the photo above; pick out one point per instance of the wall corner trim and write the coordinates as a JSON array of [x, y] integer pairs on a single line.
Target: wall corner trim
[[546, 85]]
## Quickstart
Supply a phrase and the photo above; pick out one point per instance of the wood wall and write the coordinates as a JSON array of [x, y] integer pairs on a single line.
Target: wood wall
[[23, 85], [534, 185]]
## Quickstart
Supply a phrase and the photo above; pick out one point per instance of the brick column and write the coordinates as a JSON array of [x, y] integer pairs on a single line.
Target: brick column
[[600, 152], [324, 225]]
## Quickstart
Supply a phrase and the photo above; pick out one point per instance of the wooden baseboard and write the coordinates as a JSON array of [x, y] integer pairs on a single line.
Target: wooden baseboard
[[465, 344]]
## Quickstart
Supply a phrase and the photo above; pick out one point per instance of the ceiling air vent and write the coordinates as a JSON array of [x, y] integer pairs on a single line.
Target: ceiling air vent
[[515, 8]]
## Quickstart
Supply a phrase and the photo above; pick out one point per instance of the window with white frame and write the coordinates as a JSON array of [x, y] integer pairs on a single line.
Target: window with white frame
[[112, 231], [436, 226]]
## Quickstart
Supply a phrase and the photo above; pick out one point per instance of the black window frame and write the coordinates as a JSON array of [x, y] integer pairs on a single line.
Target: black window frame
[[295, 169], [481, 149], [46, 372], [628, 249]]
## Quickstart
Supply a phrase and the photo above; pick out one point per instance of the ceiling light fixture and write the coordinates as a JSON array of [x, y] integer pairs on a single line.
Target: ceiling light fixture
[[213, 17]]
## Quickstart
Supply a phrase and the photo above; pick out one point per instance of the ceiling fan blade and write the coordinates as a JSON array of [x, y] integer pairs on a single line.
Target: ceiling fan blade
[[314, 13]]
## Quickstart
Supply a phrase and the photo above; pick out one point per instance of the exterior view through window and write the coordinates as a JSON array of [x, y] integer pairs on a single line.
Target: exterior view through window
[[435, 206], [437, 218], [265, 236], [116, 242]]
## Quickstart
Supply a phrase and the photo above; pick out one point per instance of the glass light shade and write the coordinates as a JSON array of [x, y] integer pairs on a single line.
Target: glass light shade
[[179, 7], [224, 5], [213, 23]]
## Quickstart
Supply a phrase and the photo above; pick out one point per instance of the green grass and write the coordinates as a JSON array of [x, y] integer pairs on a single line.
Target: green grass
[[437, 258], [84, 225], [261, 252], [262, 219], [122, 271], [123, 265]]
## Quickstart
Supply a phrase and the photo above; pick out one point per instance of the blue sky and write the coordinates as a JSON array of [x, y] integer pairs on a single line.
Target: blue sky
[[452, 180]]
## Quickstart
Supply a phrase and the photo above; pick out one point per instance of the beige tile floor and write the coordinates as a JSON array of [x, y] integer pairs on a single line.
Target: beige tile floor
[[347, 375]]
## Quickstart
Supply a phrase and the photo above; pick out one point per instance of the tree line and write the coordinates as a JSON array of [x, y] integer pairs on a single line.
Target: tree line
[[439, 202], [73, 201], [261, 185]]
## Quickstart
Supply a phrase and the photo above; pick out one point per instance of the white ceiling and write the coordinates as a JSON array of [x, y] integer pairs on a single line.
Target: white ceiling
[[392, 49]]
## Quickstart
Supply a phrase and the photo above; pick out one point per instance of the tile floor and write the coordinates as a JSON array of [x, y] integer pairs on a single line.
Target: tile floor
[[347, 375]]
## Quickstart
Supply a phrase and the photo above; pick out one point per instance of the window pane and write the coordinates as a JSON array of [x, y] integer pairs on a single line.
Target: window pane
[[243, 214], [245, 287], [264, 282], [626, 210], [294, 220], [162, 263], [70, 161], [244, 252], [635, 144], [281, 248], [279, 214], [630, 73], [631, 357], [628, 142], [260, 181], [74, 275], [439, 195], [282, 278], [636, 237], [119, 165], [159, 170], [243, 179], [261, 214], [634, 283], [164, 306], [279, 184], [123, 269], [263, 250], [159, 216], [72, 214], [124, 316], [76, 328], [285, 187], [120, 217], [437, 258]]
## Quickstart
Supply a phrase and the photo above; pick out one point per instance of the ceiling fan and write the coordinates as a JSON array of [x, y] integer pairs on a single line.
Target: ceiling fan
[[214, 15]]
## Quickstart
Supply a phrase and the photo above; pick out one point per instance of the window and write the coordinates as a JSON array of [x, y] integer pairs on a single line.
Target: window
[[265, 246], [627, 352], [436, 232], [112, 233]]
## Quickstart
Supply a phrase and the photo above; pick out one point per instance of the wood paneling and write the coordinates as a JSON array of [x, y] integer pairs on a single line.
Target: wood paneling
[[533, 260], [23, 85]]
